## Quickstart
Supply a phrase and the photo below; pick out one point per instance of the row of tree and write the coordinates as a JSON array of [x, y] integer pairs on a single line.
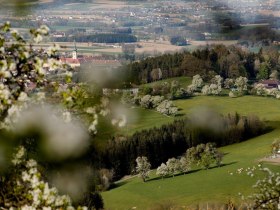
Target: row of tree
[[228, 62], [174, 90], [202, 154], [172, 140]]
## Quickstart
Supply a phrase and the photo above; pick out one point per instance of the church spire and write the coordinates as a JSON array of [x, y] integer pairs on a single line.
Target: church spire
[[75, 47], [75, 51]]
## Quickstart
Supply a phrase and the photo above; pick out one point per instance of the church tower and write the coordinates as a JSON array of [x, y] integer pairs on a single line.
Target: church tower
[[74, 53]]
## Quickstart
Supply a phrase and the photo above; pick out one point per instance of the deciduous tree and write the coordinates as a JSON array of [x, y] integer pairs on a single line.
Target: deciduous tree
[[143, 167]]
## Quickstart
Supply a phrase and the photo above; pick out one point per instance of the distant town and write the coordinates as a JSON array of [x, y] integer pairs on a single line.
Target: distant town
[[105, 27]]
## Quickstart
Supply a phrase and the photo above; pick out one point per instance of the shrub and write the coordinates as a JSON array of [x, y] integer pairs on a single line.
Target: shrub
[[167, 107]]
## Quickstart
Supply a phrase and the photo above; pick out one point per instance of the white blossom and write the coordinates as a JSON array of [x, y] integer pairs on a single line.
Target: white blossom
[[40, 96], [67, 117], [90, 110], [23, 97], [197, 82], [104, 112], [122, 121], [37, 39], [92, 127], [26, 207], [143, 167], [19, 155]]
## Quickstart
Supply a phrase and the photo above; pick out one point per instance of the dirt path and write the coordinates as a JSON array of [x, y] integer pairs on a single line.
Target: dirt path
[[271, 160]]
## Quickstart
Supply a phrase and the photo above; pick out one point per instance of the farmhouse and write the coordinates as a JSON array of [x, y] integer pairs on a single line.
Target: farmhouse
[[59, 34], [269, 84]]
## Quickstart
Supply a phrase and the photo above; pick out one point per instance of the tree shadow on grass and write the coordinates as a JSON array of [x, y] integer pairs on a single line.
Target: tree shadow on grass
[[117, 185], [121, 183], [224, 164], [180, 174], [225, 153], [180, 115]]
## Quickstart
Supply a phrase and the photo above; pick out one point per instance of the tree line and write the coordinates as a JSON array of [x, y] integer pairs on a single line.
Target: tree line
[[228, 62], [172, 140]]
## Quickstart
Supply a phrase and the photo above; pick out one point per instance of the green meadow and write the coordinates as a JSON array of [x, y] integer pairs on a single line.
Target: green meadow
[[215, 185], [183, 81]]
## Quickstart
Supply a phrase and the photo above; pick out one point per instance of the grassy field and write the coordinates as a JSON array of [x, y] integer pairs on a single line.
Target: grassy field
[[137, 119], [265, 108], [184, 81], [145, 119], [215, 185]]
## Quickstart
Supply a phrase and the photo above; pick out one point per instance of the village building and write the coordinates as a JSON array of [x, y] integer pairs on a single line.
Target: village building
[[72, 62], [59, 34], [269, 84]]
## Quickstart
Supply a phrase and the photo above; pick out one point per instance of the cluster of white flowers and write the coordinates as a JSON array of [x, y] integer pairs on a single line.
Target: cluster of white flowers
[[146, 102], [90, 110], [4, 95], [275, 148], [23, 72], [17, 108], [215, 88], [14, 113], [167, 107], [23, 97], [121, 121], [229, 83], [92, 126], [240, 170], [250, 171], [40, 97], [39, 33], [143, 167], [4, 69], [173, 166], [105, 112], [37, 192], [267, 195], [241, 84], [159, 103], [218, 80], [19, 156], [261, 90], [53, 49], [197, 82]]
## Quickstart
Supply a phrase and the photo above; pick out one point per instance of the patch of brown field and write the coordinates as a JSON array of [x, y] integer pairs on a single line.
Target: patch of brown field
[[162, 47], [269, 12], [271, 160], [203, 43], [45, 1], [148, 46], [72, 4], [109, 50], [108, 4], [64, 44]]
